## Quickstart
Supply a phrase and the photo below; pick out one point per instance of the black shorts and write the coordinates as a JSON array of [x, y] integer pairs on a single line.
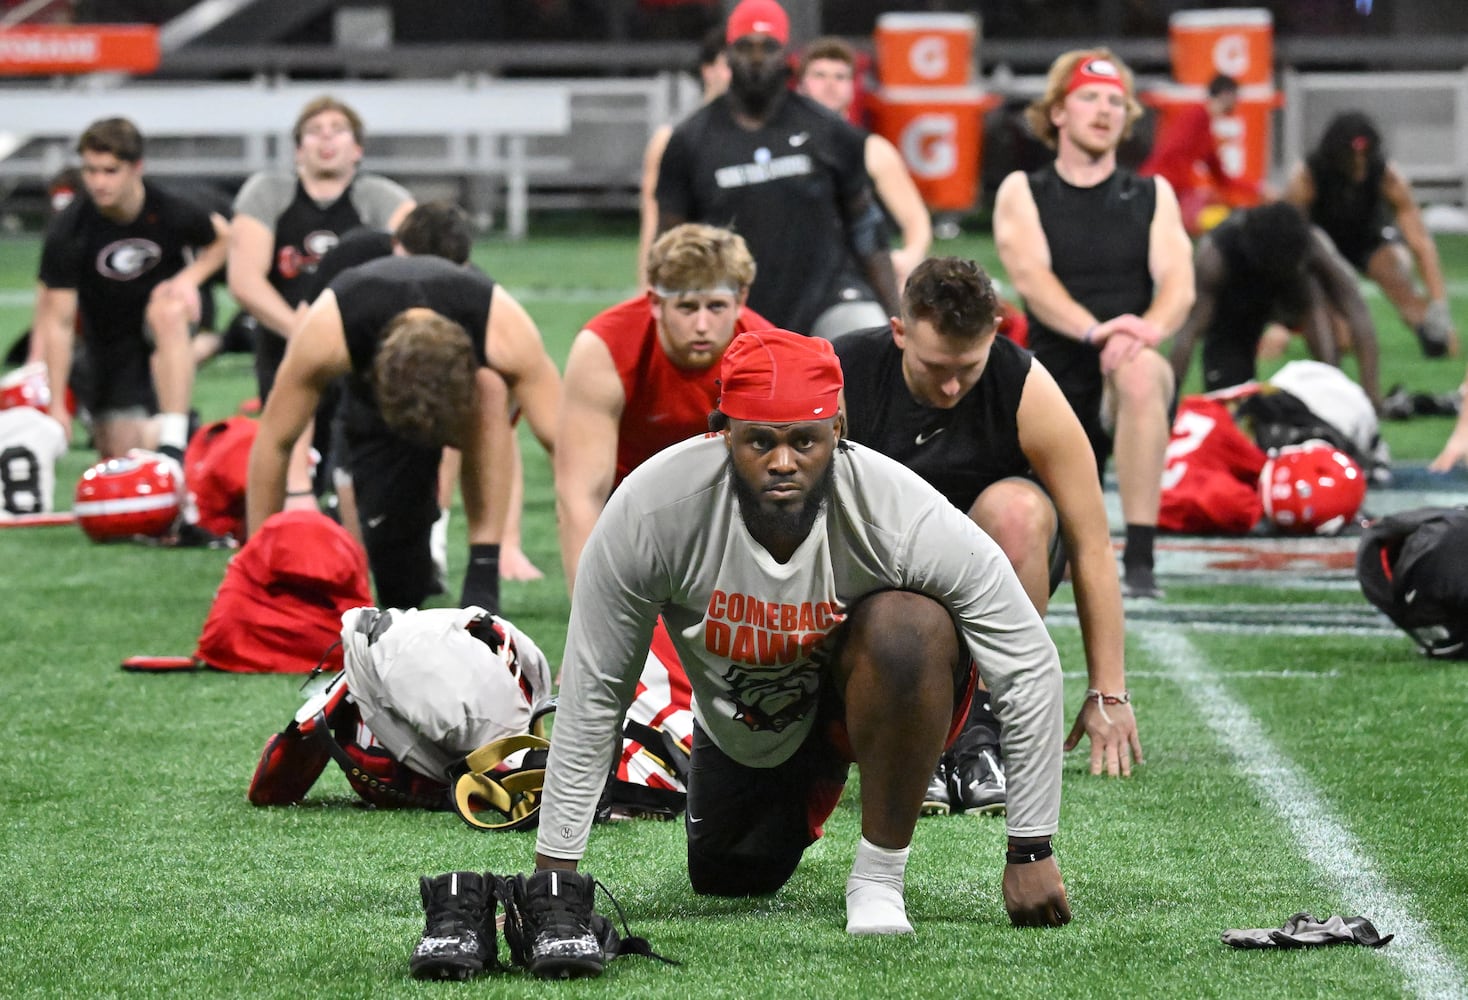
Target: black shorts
[[1360, 249], [396, 486], [113, 374], [269, 350], [1077, 371], [748, 826]]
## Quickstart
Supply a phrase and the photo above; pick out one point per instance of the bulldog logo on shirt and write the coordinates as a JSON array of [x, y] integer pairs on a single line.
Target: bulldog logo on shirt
[[292, 263], [124, 260], [766, 701]]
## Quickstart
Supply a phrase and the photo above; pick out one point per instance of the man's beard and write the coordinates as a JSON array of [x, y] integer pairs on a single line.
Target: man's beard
[[755, 93], [782, 522]]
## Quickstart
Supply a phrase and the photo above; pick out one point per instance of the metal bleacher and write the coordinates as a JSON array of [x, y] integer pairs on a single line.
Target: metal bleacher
[[480, 123], [486, 139]]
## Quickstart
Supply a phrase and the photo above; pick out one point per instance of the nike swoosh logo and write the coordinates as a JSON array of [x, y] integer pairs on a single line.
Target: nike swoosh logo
[[927, 436], [799, 138], [694, 819], [373, 522]]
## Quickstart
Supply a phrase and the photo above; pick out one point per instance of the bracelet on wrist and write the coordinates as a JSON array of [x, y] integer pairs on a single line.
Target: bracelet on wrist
[[1102, 700], [1090, 333], [1023, 854], [299, 493]]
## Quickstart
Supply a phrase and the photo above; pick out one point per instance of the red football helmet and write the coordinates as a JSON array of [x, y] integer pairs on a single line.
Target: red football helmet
[[138, 494], [1311, 488], [28, 385]]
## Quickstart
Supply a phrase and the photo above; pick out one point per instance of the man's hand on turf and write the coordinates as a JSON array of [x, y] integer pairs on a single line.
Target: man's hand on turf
[[1114, 740], [1034, 894]]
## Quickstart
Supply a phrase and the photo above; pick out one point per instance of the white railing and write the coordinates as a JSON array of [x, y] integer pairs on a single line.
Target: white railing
[[468, 128], [1422, 117]]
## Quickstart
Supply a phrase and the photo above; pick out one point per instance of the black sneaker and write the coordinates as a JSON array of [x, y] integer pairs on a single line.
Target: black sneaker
[[1140, 582], [1398, 404], [553, 929], [936, 800], [976, 778], [454, 943]]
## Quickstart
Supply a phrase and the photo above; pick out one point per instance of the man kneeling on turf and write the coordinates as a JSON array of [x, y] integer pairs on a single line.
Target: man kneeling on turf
[[830, 607]]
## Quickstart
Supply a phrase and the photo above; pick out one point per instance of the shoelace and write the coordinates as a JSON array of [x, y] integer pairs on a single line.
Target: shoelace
[[626, 942]]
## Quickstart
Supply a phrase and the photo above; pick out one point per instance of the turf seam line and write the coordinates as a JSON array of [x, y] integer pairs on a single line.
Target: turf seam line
[[1426, 969]]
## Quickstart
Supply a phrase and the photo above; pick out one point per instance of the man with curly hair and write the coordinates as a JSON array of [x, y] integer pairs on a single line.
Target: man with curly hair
[[430, 348]]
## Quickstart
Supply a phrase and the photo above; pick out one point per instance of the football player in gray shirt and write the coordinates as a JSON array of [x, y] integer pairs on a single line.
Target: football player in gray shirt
[[830, 608]]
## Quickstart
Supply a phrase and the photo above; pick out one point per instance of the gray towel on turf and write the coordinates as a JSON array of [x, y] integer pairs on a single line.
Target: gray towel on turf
[[1304, 931]]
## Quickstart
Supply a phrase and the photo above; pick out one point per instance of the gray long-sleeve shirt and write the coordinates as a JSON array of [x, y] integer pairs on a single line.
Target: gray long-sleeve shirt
[[671, 541]]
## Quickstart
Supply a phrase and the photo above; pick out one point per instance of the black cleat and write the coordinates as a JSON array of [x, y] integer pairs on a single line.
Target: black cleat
[[554, 933], [936, 800], [976, 777], [455, 943]]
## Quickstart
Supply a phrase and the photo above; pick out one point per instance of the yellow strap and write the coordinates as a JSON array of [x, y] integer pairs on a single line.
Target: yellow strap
[[515, 795]]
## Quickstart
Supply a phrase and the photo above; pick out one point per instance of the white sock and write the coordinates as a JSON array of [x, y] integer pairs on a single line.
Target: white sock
[[438, 543], [874, 903], [173, 430]]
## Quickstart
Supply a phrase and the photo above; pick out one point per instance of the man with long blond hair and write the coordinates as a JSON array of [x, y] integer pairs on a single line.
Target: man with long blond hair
[[1105, 268]]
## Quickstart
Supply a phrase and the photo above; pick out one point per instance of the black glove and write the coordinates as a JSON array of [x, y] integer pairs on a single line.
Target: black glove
[[482, 579]]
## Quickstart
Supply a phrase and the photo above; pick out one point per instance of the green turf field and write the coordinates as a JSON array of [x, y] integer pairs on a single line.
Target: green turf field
[[1299, 756]]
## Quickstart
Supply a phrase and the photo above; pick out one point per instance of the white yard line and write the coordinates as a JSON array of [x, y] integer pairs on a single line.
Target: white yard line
[[1427, 970], [1179, 675], [26, 296]]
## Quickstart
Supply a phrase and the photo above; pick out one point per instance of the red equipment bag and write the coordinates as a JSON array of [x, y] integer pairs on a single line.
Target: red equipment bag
[[280, 606]]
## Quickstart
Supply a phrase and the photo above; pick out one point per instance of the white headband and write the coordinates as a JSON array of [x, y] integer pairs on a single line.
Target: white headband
[[678, 293]]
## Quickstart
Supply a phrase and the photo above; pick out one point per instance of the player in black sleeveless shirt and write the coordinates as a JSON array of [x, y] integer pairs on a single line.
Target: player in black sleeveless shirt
[[1105, 267], [287, 222], [1263, 265], [971, 413], [428, 347], [1365, 205]]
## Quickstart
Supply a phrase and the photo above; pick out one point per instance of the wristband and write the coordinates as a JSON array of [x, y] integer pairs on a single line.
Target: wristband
[[1090, 333], [1023, 854], [1102, 700], [299, 493]]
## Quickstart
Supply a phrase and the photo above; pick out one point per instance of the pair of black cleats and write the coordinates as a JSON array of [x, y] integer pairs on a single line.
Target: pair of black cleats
[[969, 778], [550, 925]]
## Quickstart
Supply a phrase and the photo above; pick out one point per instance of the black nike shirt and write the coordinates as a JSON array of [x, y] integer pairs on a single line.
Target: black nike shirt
[[959, 451], [785, 187]]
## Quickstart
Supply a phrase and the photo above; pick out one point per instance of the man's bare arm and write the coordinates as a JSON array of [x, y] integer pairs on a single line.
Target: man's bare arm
[[312, 359], [592, 403], [251, 247], [515, 350]]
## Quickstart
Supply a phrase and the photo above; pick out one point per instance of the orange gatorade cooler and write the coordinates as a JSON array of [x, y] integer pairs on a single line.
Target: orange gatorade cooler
[[938, 131], [925, 50], [1239, 43]]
